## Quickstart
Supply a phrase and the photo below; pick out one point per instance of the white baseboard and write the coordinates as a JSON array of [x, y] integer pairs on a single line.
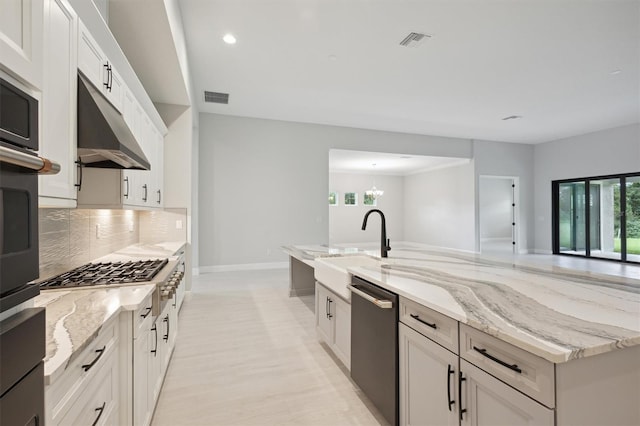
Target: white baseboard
[[540, 251], [243, 267]]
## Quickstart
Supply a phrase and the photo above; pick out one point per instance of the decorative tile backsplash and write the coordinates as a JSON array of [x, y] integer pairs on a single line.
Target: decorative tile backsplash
[[157, 226], [73, 237]]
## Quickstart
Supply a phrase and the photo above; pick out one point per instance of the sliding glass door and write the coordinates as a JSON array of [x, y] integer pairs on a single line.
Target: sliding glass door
[[632, 216], [598, 217]]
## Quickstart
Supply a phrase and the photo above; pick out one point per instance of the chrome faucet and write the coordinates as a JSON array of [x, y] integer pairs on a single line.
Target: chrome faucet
[[384, 241]]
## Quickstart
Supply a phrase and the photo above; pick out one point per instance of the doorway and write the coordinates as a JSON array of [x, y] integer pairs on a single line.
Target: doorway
[[497, 196]]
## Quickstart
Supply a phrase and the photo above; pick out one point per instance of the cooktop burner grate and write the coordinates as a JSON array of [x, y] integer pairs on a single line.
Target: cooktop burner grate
[[106, 273]]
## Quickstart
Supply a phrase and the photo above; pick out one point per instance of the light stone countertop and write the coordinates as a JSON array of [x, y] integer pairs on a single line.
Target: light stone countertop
[[556, 313], [75, 317]]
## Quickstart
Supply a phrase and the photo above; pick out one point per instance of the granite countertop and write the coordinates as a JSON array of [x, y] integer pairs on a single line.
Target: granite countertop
[[556, 313], [75, 317]]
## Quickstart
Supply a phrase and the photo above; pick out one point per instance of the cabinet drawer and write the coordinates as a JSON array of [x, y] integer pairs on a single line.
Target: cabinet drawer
[[439, 328], [76, 379], [99, 402], [526, 372]]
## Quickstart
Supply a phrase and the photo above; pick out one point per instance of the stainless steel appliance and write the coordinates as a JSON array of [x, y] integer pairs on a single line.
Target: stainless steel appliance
[[22, 327], [374, 345], [166, 274]]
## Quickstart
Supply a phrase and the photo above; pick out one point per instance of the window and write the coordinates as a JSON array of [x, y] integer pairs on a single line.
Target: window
[[598, 217], [369, 200], [333, 198], [350, 199]]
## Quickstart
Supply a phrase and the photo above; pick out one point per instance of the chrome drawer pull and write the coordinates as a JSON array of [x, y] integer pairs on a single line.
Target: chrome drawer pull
[[484, 353], [383, 304], [87, 367], [417, 318]]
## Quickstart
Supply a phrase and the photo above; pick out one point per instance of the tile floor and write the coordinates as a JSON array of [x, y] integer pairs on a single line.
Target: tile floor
[[247, 354]]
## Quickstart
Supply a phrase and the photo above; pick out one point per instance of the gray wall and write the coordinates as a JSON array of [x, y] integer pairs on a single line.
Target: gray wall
[[264, 183], [439, 207], [345, 221], [600, 153]]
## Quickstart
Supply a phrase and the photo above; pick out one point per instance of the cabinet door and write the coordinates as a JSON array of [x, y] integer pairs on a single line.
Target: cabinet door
[[141, 410], [157, 170], [114, 89], [323, 321], [58, 141], [341, 311], [21, 38], [490, 402], [428, 386], [91, 61]]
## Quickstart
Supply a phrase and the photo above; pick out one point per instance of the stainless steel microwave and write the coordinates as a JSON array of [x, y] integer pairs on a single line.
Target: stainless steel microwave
[[18, 116]]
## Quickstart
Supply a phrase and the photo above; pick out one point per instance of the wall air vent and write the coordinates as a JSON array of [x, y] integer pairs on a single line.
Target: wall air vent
[[414, 39], [216, 97]]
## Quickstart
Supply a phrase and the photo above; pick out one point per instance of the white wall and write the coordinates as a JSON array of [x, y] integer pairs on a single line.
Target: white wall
[[495, 197], [264, 183], [440, 207], [513, 160], [345, 222], [606, 152]]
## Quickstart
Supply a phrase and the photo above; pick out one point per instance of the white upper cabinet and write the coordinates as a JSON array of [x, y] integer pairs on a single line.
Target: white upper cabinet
[[21, 38], [95, 65], [58, 106]]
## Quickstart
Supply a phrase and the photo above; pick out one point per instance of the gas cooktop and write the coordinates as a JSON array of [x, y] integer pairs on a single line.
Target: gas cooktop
[[106, 273]]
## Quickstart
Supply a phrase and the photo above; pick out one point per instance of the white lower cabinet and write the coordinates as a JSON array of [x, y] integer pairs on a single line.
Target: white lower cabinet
[[333, 323], [428, 381], [439, 387], [490, 402], [89, 390]]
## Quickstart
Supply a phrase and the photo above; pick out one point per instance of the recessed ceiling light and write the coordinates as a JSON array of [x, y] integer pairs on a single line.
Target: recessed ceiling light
[[405, 156], [512, 117], [615, 72], [333, 58], [229, 39]]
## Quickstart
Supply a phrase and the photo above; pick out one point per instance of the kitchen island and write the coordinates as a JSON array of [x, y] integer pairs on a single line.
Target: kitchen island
[[567, 339]]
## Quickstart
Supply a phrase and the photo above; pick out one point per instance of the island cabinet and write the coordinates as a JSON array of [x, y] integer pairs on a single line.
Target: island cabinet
[[333, 323], [454, 374]]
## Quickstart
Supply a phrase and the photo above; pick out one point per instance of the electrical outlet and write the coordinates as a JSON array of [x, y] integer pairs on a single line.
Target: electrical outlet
[[97, 231], [131, 227], [179, 224]]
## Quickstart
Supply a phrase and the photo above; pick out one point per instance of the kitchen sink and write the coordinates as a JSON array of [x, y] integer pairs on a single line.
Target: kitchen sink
[[333, 270]]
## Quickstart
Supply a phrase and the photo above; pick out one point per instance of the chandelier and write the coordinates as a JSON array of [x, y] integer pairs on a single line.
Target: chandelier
[[374, 192]]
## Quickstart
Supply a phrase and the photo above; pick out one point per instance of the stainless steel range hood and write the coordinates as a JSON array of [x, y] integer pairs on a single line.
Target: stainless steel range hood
[[104, 138]]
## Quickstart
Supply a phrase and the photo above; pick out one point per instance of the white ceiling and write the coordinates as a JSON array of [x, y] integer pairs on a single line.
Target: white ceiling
[[379, 163], [339, 62]]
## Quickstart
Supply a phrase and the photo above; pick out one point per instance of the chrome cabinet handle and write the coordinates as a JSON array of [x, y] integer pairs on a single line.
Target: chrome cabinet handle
[[145, 192], [166, 336], [460, 380], [126, 194], [382, 304], [146, 314]]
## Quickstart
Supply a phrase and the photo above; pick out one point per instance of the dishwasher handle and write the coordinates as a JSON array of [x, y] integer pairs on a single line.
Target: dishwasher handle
[[380, 303]]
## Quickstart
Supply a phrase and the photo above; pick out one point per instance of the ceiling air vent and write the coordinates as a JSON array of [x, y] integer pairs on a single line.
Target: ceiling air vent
[[414, 39], [216, 97]]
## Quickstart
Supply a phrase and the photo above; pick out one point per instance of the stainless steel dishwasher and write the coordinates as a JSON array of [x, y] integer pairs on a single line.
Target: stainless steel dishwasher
[[374, 345]]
